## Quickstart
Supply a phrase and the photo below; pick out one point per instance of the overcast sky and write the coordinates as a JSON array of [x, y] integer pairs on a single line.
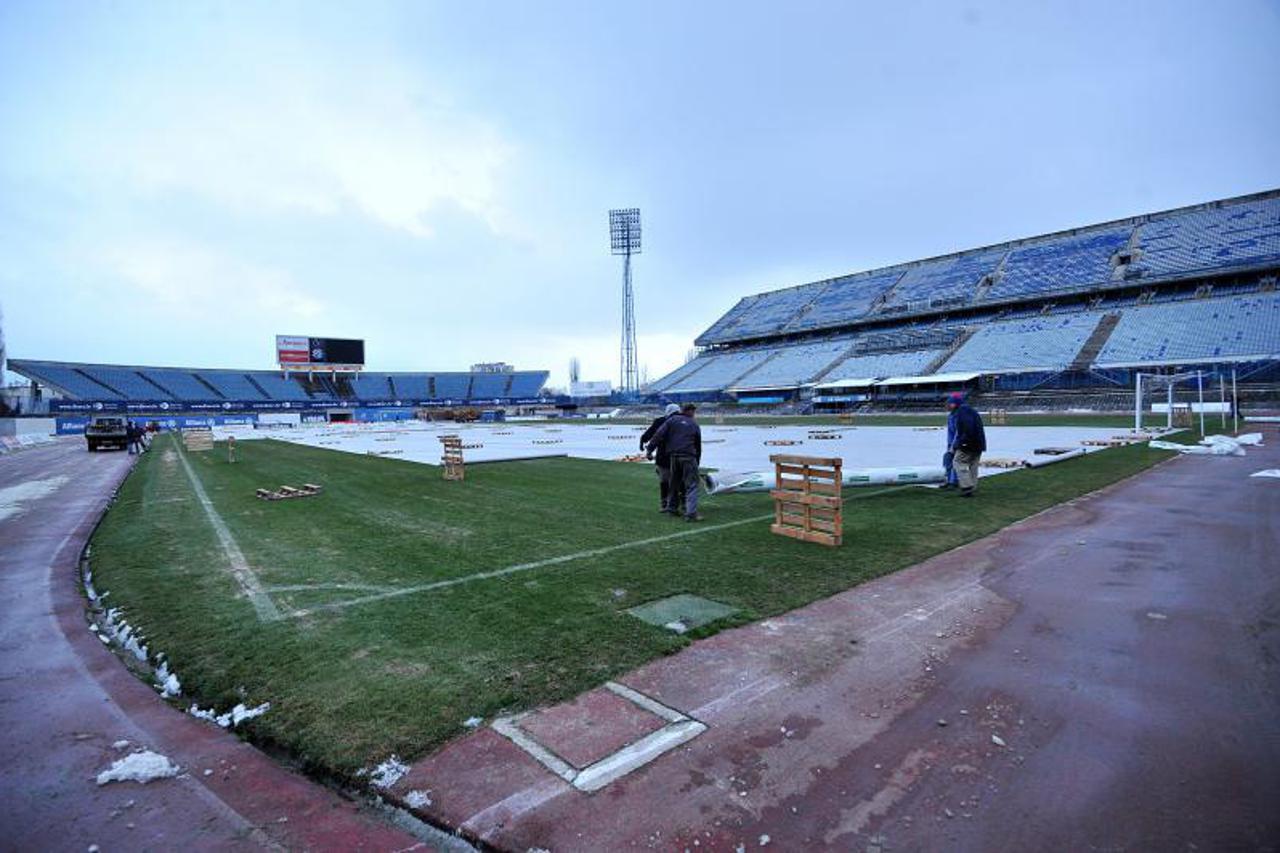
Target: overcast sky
[[179, 182]]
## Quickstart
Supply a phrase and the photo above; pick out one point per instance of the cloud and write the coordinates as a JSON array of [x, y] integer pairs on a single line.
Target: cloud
[[197, 282], [273, 128]]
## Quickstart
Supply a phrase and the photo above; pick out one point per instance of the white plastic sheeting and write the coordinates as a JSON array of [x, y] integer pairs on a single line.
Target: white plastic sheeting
[[727, 447], [763, 481], [1214, 445]]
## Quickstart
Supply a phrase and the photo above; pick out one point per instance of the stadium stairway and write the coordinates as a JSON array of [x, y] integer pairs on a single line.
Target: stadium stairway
[[752, 369], [1097, 340], [941, 358], [97, 381], [844, 356]]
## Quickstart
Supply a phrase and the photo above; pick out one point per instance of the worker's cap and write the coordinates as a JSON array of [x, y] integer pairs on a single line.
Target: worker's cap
[[671, 409], [955, 398]]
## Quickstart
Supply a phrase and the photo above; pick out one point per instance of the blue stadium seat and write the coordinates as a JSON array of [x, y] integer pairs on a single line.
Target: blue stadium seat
[[1238, 234], [452, 386], [127, 380], [954, 279], [792, 367], [882, 365], [181, 384], [1237, 327], [63, 376], [232, 385], [1061, 263], [1040, 343], [372, 386], [485, 386], [279, 388]]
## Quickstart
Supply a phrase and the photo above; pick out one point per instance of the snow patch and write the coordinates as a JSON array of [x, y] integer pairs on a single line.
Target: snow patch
[[171, 687], [387, 773], [232, 718], [140, 767], [417, 799], [13, 498], [473, 722]]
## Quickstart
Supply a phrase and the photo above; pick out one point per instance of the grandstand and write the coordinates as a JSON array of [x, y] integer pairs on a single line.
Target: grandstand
[[1191, 288], [67, 386]]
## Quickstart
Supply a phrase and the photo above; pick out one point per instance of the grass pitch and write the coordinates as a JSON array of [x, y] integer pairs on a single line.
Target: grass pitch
[[351, 683]]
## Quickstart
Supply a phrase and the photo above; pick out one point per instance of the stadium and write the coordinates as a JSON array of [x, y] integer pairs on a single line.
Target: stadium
[[1057, 321], [308, 544], [450, 644]]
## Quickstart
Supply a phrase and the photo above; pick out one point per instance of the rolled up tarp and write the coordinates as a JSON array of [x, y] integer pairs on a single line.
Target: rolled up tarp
[[719, 483], [1041, 461]]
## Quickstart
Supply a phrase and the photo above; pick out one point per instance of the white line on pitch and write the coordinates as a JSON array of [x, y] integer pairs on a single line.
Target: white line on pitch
[[537, 564], [308, 587], [553, 561], [240, 568]]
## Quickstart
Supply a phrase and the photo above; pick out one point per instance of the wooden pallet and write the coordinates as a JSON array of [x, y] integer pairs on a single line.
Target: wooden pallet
[[286, 492], [807, 503], [197, 440], [451, 458]]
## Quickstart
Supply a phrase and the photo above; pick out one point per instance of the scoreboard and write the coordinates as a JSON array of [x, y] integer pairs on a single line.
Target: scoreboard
[[304, 352]]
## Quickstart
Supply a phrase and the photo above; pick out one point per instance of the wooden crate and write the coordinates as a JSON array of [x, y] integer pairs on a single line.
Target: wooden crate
[[452, 458], [807, 503], [197, 440]]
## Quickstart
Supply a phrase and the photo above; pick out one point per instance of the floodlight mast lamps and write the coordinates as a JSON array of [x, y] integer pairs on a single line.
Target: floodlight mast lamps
[[624, 239]]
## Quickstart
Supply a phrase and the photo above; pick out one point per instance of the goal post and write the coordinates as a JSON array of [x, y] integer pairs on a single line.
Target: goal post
[[1154, 386]]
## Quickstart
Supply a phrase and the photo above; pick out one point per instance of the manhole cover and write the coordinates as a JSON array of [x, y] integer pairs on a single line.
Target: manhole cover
[[681, 613]]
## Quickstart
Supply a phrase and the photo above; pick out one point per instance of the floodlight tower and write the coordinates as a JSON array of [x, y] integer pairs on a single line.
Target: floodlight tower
[[624, 239]]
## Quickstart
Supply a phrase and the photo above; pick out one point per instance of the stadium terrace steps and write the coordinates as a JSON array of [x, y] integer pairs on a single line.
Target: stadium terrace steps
[[842, 357], [1096, 341], [961, 339]]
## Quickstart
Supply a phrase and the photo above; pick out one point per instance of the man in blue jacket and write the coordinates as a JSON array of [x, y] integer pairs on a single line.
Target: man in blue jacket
[[969, 444], [681, 437], [949, 457]]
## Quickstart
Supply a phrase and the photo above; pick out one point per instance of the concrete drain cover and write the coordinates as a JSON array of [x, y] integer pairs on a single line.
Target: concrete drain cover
[[681, 613]]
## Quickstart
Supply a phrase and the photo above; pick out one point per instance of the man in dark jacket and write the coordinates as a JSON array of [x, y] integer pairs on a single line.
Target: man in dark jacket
[[661, 459], [682, 439], [969, 444]]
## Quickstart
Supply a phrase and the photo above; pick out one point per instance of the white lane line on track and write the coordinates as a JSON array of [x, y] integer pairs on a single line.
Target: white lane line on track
[[239, 566], [553, 561]]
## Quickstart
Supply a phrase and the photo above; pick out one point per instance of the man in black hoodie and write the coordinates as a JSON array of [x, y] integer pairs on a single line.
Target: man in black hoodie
[[682, 438], [969, 444], [661, 459]]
